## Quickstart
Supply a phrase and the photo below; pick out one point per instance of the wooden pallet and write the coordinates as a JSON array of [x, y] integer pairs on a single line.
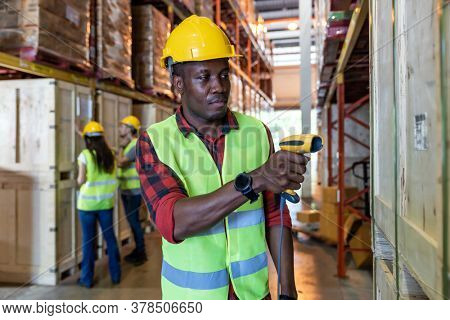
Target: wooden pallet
[[157, 91]]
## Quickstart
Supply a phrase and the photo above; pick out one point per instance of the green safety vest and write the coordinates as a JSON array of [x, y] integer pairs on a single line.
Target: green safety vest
[[129, 178], [201, 266], [98, 192]]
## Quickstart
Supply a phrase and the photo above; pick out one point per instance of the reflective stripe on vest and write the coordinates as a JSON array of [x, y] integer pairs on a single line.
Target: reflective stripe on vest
[[195, 280], [129, 178], [213, 280], [97, 198], [237, 220], [234, 249], [99, 190], [101, 183]]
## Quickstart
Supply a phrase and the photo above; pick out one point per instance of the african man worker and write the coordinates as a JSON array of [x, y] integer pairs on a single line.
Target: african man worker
[[212, 181]]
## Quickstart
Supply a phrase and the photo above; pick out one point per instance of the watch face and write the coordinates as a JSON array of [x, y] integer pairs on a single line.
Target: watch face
[[242, 181]]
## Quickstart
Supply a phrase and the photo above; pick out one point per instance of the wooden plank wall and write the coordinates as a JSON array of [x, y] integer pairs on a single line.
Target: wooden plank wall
[[408, 136]]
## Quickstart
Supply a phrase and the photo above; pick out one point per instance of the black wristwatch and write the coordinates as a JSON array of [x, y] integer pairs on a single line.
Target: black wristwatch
[[243, 184]]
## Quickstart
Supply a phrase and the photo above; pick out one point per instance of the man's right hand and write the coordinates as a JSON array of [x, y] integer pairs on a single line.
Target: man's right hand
[[284, 170]]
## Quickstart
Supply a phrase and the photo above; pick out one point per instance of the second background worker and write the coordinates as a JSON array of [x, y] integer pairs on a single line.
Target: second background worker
[[129, 185]]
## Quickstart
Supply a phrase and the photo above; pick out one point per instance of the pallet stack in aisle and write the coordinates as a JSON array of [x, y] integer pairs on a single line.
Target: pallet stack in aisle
[[55, 32], [150, 32], [114, 40], [410, 140], [41, 239]]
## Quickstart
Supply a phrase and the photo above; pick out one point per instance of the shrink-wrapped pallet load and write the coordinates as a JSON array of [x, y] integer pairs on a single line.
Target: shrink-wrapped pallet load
[[46, 30], [114, 40], [190, 4], [150, 32], [205, 8]]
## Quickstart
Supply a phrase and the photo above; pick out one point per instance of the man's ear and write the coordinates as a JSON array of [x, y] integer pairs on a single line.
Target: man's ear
[[178, 84]]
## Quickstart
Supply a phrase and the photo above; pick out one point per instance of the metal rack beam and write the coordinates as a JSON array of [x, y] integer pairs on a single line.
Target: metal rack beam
[[36, 69], [180, 10], [343, 203], [358, 18], [243, 20], [250, 82]]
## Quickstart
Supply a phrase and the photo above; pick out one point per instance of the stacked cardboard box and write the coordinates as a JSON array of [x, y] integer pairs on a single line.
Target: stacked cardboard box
[[247, 99], [190, 4], [362, 239], [205, 8], [150, 32], [329, 213], [57, 29], [234, 94], [248, 7], [114, 40]]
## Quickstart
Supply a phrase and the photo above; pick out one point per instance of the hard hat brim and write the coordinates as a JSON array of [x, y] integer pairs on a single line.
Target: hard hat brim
[[93, 134], [164, 59]]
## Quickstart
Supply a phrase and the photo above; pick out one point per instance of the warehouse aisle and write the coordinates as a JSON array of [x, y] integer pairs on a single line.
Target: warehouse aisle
[[315, 269], [315, 266]]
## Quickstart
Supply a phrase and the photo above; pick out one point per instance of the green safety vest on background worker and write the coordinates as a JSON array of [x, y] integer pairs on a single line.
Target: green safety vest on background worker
[[129, 178], [201, 266], [98, 192]]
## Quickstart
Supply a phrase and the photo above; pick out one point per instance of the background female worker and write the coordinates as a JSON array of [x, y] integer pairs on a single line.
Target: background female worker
[[130, 191], [97, 178]]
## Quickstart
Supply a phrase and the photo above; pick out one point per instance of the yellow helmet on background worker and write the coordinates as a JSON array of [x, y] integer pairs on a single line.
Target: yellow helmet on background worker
[[132, 121], [197, 39], [93, 129]]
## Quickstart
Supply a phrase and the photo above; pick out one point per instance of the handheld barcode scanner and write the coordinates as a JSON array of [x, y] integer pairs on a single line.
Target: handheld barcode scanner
[[301, 143]]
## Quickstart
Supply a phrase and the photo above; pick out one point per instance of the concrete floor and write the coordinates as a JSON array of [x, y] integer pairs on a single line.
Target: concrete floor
[[315, 267]]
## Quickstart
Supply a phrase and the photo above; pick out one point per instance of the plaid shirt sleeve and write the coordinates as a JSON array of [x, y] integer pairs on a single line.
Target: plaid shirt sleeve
[[160, 187], [272, 201]]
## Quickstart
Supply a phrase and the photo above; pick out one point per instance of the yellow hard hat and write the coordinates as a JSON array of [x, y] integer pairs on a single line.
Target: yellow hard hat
[[197, 39], [132, 121], [93, 129]]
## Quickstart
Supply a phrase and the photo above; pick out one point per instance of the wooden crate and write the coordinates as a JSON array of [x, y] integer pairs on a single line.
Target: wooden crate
[[37, 179], [420, 132], [410, 139], [150, 113], [111, 109], [385, 285], [383, 104]]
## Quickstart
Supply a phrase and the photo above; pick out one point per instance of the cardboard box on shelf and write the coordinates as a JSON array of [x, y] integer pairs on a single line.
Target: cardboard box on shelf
[[54, 32], [114, 40], [330, 194], [362, 240], [150, 32], [328, 229], [308, 216]]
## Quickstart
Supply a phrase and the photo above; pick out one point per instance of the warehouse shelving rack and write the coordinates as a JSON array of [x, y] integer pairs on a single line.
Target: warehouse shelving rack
[[257, 61], [337, 87], [18, 68], [254, 54], [174, 9], [41, 70]]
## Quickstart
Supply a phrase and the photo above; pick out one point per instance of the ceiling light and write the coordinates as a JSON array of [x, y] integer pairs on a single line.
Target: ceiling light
[[292, 26]]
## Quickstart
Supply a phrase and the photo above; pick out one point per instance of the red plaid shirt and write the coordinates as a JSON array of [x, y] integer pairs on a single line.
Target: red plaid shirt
[[161, 187]]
